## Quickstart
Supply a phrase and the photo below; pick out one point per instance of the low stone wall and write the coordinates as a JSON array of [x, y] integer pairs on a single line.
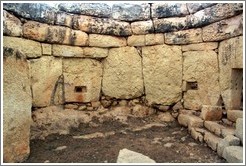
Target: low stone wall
[[168, 56]]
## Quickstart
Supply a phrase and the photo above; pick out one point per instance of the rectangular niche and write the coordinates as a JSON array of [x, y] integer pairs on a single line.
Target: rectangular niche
[[237, 89]]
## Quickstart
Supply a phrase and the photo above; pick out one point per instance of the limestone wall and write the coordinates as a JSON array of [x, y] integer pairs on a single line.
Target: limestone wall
[[164, 55]]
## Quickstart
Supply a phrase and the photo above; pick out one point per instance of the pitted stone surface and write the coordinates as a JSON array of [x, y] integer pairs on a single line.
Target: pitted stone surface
[[194, 7], [142, 27], [170, 24], [163, 10]]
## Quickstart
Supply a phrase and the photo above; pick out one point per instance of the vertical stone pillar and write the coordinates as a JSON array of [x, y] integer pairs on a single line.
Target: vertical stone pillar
[[17, 103]]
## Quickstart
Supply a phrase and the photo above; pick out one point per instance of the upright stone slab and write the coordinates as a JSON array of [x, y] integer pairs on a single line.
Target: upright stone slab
[[200, 79], [131, 11], [122, 77], [45, 73], [17, 106], [162, 70], [231, 72], [82, 79]]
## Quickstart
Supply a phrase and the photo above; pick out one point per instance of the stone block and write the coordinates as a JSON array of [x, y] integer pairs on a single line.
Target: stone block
[[213, 14], [142, 27], [163, 10], [122, 77], [17, 106], [154, 39], [228, 131], [106, 41], [64, 19], [82, 79], [212, 140], [40, 12], [214, 127], [198, 91], [79, 38], [162, 70], [224, 29], [165, 117], [194, 7], [136, 40], [95, 52], [239, 129], [164, 25], [190, 120], [211, 113], [35, 31], [46, 49], [200, 46], [45, 73], [233, 115], [67, 51], [103, 26], [12, 26], [231, 73], [233, 154], [30, 48], [131, 11], [229, 140], [184, 37], [90, 9], [59, 35]]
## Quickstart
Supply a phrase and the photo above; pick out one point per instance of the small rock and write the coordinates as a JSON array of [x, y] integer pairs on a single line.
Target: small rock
[[115, 103], [178, 106], [106, 103], [183, 138], [82, 108], [168, 145], [60, 148], [95, 104], [164, 107], [165, 117], [46, 161], [233, 154], [192, 144], [123, 103], [90, 108]]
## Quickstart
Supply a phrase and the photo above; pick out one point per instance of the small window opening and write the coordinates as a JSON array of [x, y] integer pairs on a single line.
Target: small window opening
[[80, 89], [192, 85]]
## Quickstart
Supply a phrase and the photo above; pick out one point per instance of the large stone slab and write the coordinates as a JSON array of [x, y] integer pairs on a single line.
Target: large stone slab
[[103, 26], [224, 29], [82, 79], [200, 79], [128, 156], [106, 41], [184, 37], [40, 12], [233, 154], [90, 9], [44, 74], [122, 77], [213, 14], [231, 73], [163, 10], [162, 70], [17, 106], [170, 24], [30, 48], [131, 11], [12, 26]]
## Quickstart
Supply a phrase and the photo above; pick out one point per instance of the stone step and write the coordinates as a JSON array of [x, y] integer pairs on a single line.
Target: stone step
[[218, 129]]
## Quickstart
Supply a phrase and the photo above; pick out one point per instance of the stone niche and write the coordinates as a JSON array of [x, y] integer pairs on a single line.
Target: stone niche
[[17, 106]]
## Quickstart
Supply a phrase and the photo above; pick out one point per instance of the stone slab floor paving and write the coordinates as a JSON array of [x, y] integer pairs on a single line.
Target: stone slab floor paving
[[101, 142]]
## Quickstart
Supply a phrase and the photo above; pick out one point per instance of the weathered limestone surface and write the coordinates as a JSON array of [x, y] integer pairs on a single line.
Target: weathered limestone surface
[[82, 79], [64, 19], [215, 13], [12, 26], [200, 68], [142, 27], [122, 77], [67, 51], [233, 115], [154, 39], [95, 52], [231, 56], [28, 47], [163, 10], [136, 40], [40, 12], [79, 38], [59, 35], [200, 46], [106, 41], [162, 70], [131, 12], [170, 24], [17, 106], [211, 113], [91, 9], [194, 7], [46, 49], [184, 37], [44, 74], [102, 26], [212, 140], [233, 154], [35, 31], [190, 120], [224, 29]]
